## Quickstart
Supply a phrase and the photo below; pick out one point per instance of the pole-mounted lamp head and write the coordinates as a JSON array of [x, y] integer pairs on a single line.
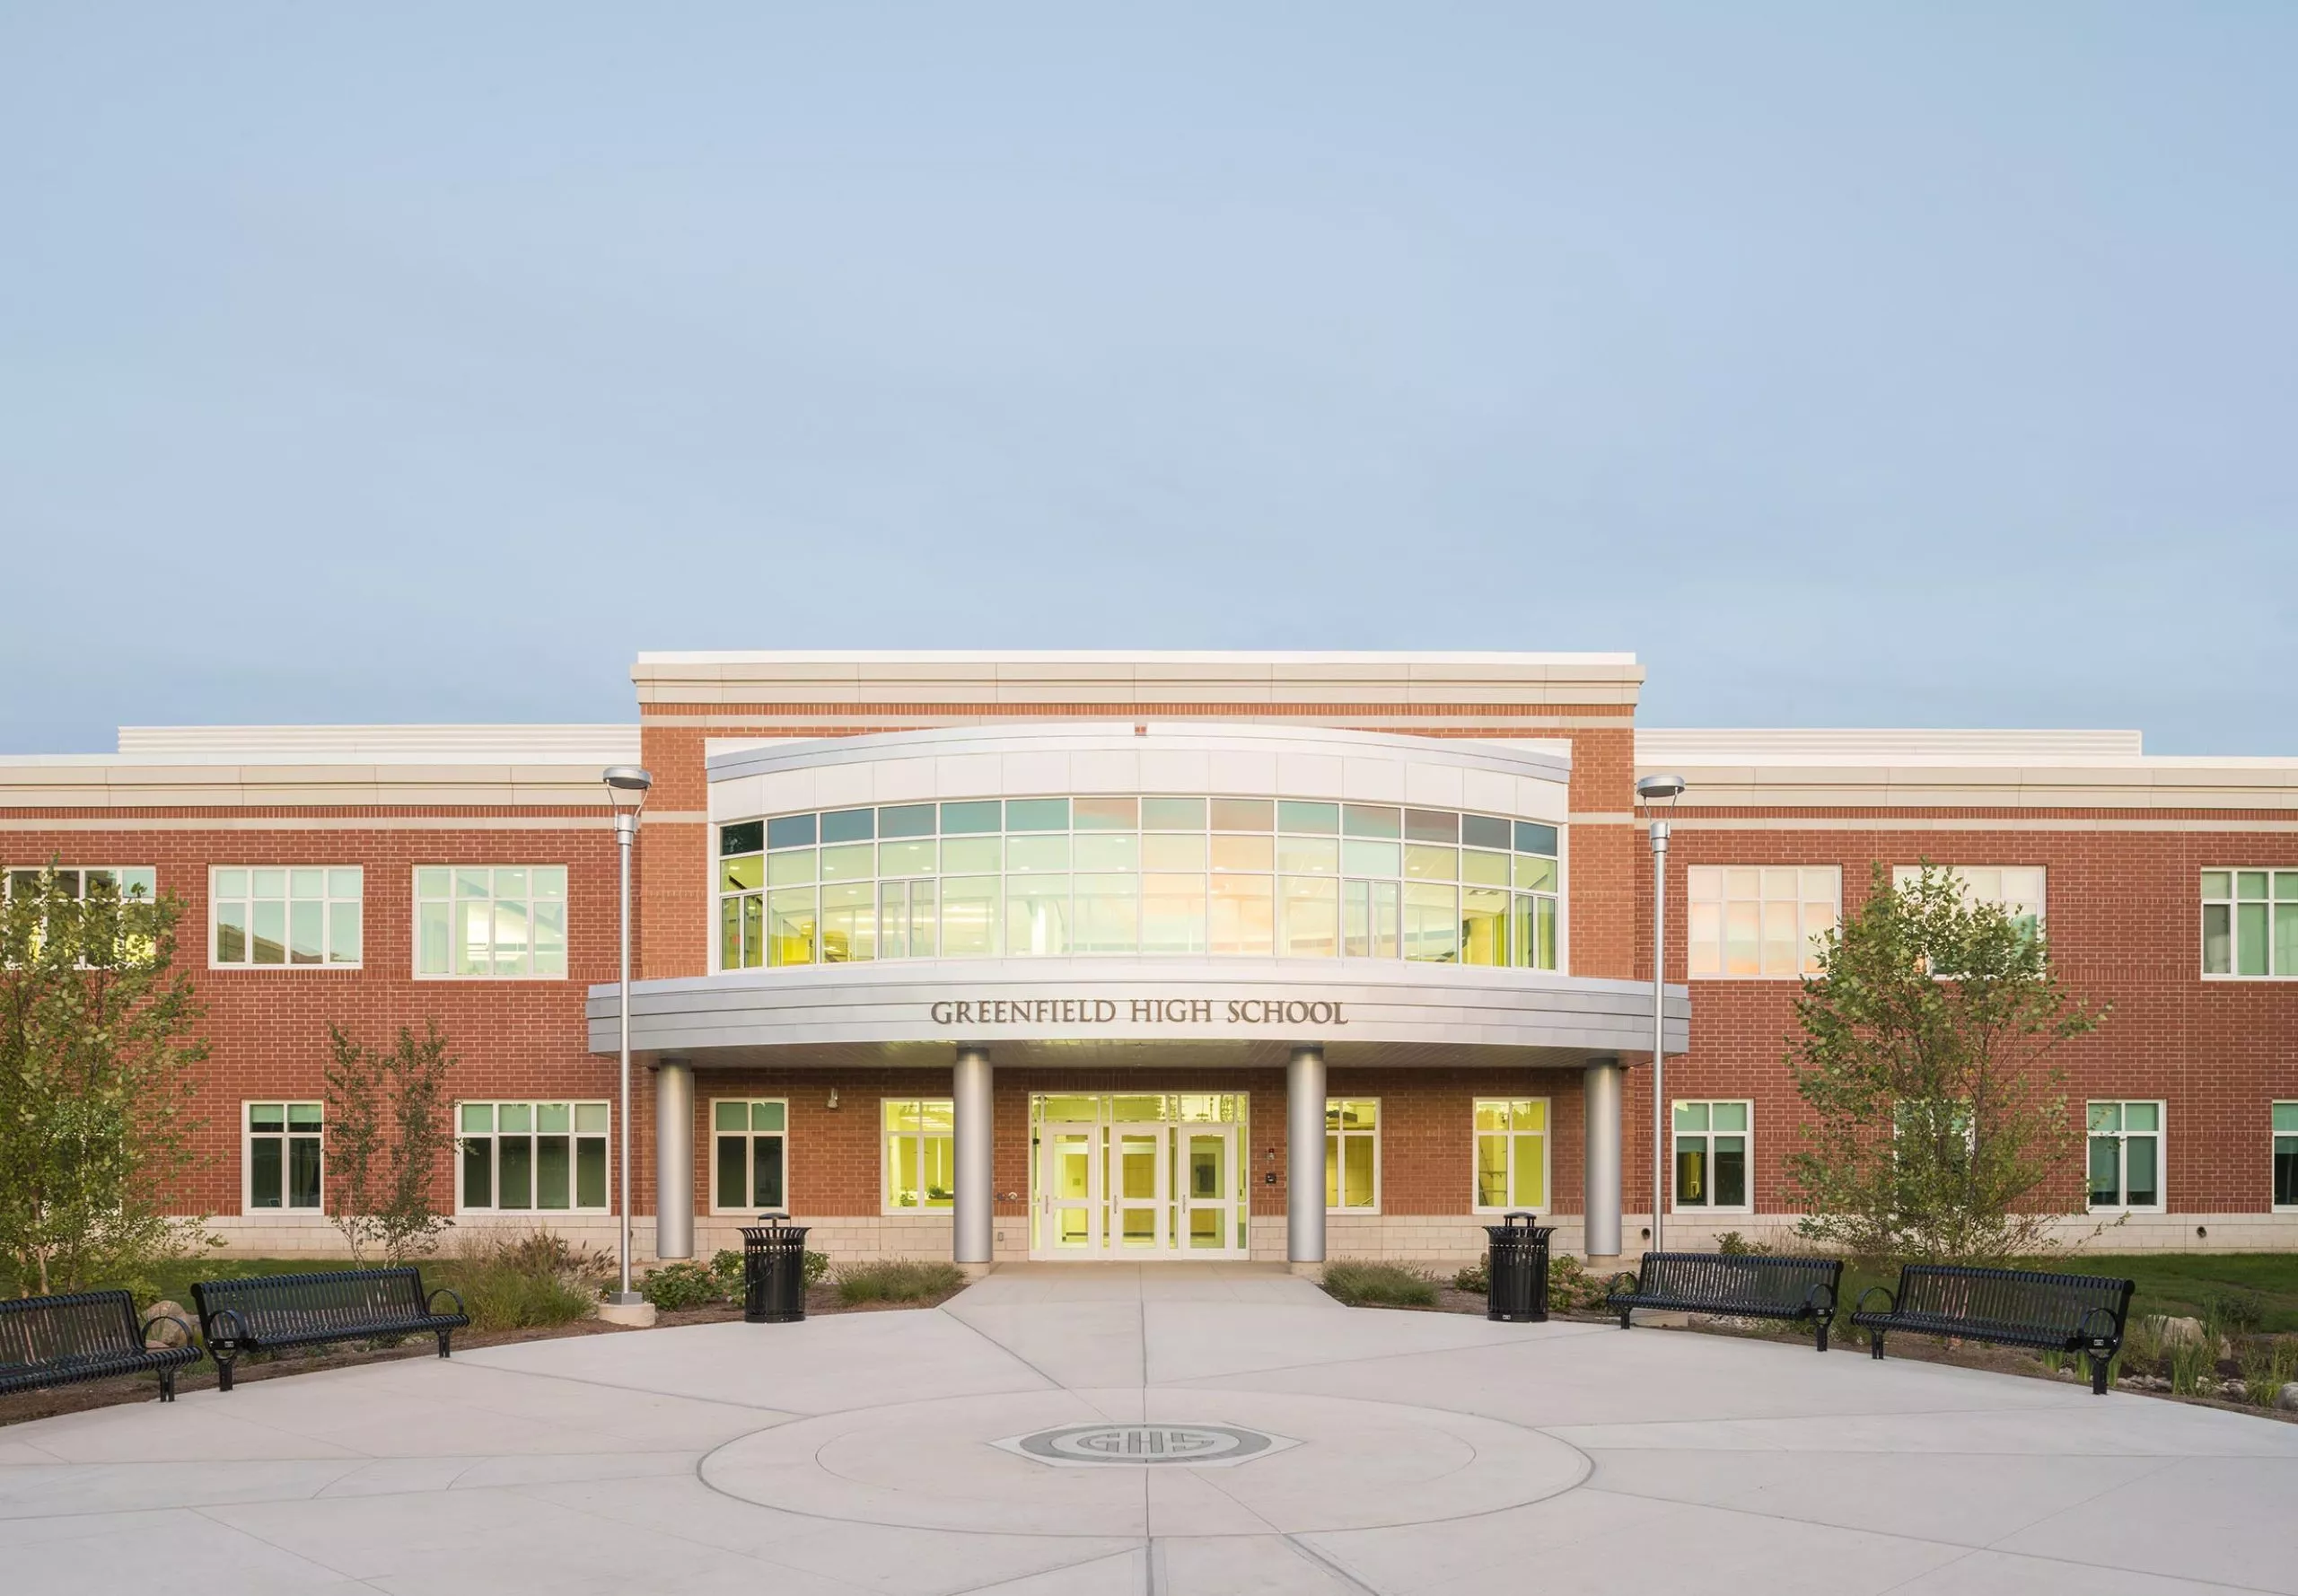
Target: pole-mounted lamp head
[[1652, 789], [627, 786]]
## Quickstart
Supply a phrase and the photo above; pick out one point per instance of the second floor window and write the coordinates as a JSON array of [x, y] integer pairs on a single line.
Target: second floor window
[[1750, 921], [504, 922], [285, 915], [2017, 889], [2250, 922]]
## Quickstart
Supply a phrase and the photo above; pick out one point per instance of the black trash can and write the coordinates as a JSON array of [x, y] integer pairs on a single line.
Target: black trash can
[[774, 1270], [1516, 1277]]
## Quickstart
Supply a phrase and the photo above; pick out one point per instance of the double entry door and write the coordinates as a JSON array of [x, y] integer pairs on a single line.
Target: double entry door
[[1137, 1190]]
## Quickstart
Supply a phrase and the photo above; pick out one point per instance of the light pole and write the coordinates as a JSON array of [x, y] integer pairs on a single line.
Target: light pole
[[1651, 790], [627, 786]]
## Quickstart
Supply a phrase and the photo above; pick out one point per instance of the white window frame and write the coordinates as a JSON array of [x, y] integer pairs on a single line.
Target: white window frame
[[2231, 903], [1906, 875], [1804, 932], [2161, 1137], [2271, 1136], [454, 900], [1379, 1122], [247, 1134], [1548, 1157], [924, 1208], [1675, 1137], [713, 1133], [326, 918], [8, 878], [573, 1179]]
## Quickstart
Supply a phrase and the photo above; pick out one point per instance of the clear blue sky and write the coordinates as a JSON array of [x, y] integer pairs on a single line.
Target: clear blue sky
[[1854, 365]]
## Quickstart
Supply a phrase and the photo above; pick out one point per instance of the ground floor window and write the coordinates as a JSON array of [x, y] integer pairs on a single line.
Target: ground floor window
[[920, 1154], [1711, 1155], [2285, 1155], [748, 1154], [284, 1158], [2127, 1155], [533, 1157], [1510, 1153], [1352, 1156]]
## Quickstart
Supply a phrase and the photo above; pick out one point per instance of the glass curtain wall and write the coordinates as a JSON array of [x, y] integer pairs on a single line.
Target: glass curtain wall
[[1029, 877]]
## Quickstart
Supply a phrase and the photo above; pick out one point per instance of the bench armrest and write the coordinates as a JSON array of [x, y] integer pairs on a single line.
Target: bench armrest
[[1890, 1299], [190, 1338], [227, 1326], [1820, 1300], [2100, 1336], [1621, 1282], [446, 1291]]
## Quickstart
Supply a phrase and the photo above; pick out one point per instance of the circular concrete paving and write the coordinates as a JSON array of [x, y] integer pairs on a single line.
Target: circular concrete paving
[[940, 1465]]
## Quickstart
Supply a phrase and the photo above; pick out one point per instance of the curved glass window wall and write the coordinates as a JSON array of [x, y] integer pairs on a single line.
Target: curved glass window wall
[[1020, 877]]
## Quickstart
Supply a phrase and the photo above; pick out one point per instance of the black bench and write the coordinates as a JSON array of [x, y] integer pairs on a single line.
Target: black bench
[[265, 1311], [2010, 1307], [1743, 1285], [90, 1335]]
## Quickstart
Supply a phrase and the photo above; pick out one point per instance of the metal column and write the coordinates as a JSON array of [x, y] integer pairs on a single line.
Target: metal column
[[974, 1201], [1304, 1156], [673, 1159], [1600, 1092]]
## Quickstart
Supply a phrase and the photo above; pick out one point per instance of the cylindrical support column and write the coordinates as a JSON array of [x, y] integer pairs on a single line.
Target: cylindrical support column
[[973, 1206], [1600, 1091], [674, 1159], [1304, 1156]]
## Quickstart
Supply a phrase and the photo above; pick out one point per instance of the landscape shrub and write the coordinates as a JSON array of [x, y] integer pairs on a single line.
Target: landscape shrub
[[678, 1286], [513, 1280], [1359, 1282], [897, 1280]]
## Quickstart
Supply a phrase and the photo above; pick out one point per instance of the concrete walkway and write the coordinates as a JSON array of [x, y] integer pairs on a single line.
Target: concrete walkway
[[1299, 1446]]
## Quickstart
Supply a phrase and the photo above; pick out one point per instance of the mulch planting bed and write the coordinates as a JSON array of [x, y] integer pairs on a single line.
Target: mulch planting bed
[[25, 1406]]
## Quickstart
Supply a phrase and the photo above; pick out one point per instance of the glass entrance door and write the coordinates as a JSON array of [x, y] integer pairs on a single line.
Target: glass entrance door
[[1209, 1193], [1137, 1175], [1069, 1192]]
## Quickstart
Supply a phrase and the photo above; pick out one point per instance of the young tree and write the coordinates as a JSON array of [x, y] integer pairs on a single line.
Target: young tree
[[96, 1055], [1936, 1119], [387, 1133]]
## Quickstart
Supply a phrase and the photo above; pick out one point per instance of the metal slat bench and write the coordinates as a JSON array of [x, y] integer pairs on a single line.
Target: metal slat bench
[[2010, 1307], [267, 1311], [92, 1334], [1744, 1285]]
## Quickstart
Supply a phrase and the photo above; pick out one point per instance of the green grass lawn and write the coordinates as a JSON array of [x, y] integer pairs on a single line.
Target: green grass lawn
[[2180, 1284]]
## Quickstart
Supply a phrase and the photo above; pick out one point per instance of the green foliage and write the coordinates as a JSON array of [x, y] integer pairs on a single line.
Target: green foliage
[[897, 1280], [1733, 1244], [1476, 1278], [516, 1280], [1934, 1120], [678, 1286], [1362, 1282], [96, 1055], [2270, 1363], [1571, 1289], [387, 1136]]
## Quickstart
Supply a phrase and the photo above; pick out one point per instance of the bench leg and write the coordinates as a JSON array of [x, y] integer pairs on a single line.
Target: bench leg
[[1824, 1328], [223, 1362], [1623, 1318], [1875, 1345], [2097, 1375], [167, 1385], [443, 1342]]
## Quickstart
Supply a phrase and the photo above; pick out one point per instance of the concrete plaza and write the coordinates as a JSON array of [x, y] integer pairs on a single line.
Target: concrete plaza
[[1406, 1452]]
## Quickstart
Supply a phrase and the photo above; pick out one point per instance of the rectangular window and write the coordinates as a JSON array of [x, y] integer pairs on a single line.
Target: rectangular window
[[2249, 924], [1352, 1156], [2127, 1155], [135, 884], [1760, 922], [2286, 1157], [748, 1155], [2017, 889], [285, 915], [920, 1156], [284, 1160], [532, 1157], [1711, 1156], [495, 922], [1511, 1155]]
